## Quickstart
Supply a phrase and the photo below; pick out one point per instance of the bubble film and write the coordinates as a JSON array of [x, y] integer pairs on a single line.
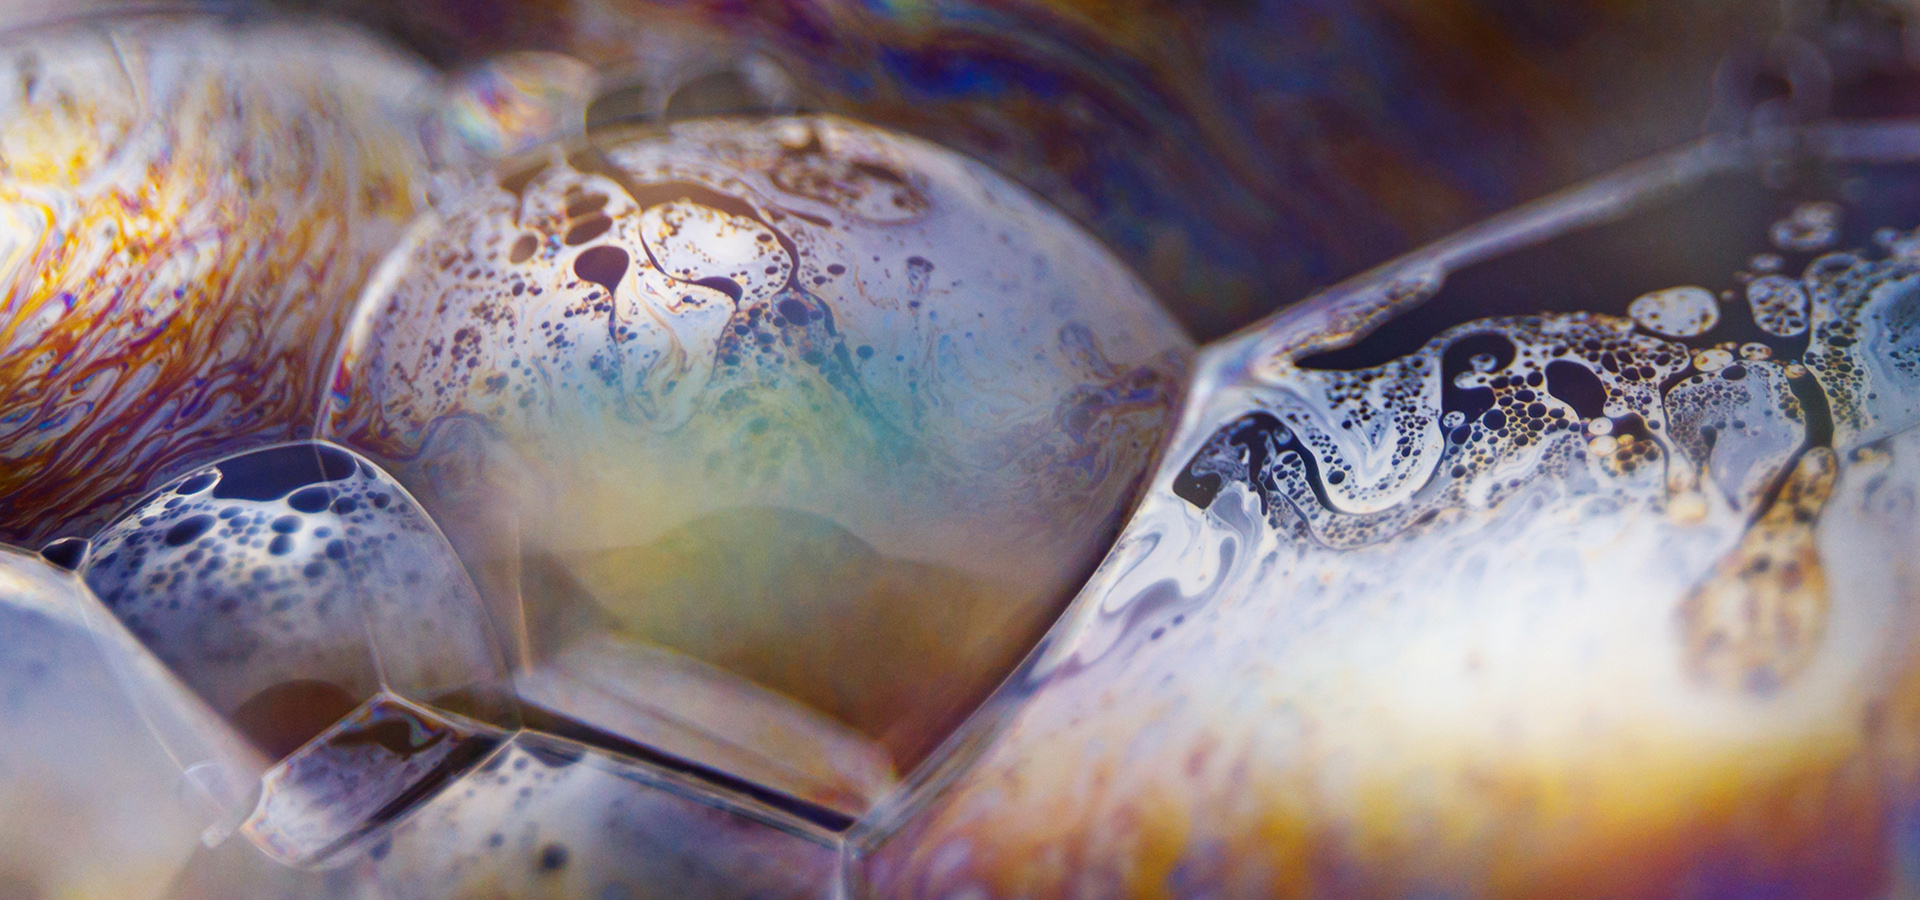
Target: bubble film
[[186, 206], [297, 576], [1514, 569], [304, 596], [96, 805], [1567, 557], [1239, 155], [809, 405], [542, 817]]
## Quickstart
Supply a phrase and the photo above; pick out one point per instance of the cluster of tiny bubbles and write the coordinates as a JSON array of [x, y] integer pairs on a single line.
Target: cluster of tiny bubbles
[[1468, 415], [1631, 389]]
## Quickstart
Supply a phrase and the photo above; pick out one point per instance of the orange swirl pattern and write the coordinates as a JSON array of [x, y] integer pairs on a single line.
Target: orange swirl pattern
[[187, 210]]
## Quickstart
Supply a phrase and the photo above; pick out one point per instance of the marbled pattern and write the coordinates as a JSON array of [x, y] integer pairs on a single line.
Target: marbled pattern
[[187, 208], [1560, 604]]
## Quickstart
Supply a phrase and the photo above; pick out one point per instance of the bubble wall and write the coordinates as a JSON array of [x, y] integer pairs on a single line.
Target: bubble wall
[[617, 450]]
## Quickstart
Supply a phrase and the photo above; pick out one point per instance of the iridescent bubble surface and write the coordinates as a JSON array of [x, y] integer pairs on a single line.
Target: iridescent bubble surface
[[1239, 155], [186, 208], [806, 404], [1489, 576], [1566, 558], [302, 593]]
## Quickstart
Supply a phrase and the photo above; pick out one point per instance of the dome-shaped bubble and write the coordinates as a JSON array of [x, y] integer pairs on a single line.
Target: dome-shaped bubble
[[187, 206], [793, 410], [302, 593], [1566, 558]]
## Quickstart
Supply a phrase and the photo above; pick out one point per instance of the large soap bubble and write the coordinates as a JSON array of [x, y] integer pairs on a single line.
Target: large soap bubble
[[794, 411], [1569, 558]]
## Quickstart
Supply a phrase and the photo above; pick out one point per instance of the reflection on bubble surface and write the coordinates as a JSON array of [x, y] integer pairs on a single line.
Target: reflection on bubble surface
[[1554, 560], [1489, 577], [94, 805], [798, 400]]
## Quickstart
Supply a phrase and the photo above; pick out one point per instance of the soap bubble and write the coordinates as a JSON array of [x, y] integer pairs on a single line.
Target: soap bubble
[[795, 410], [1534, 587], [96, 804], [304, 596], [187, 207]]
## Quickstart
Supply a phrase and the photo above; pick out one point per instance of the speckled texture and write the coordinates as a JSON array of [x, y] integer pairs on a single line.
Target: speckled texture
[[542, 819], [299, 569], [1560, 604], [819, 404]]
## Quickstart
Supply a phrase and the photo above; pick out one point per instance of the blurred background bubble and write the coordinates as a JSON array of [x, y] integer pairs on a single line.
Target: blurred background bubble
[[1237, 153]]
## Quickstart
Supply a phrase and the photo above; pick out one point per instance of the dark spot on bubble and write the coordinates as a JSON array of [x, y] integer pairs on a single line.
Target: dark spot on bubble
[[286, 524], [724, 285], [1576, 386], [380, 850], [523, 249], [793, 309], [604, 266], [68, 553], [282, 718], [311, 500], [381, 500], [277, 471], [345, 506], [197, 483], [281, 545], [864, 352], [336, 549], [1483, 352], [587, 230], [1734, 372], [553, 858], [314, 570], [189, 530], [836, 269]]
